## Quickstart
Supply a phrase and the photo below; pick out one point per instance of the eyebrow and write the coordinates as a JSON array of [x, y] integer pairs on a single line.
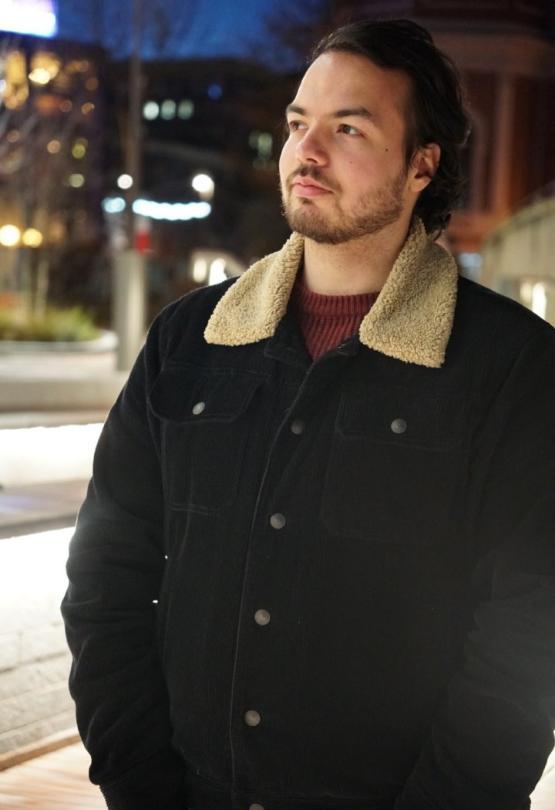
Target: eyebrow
[[347, 112]]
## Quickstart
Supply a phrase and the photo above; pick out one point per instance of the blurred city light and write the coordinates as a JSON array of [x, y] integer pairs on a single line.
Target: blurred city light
[[40, 76], [185, 109], [217, 271], [215, 91], [113, 205], [28, 17], [16, 91], [53, 146], [76, 180], [200, 271], [172, 211], [79, 149], [168, 109], [9, 235], [203, 183], [125, 181], [533, 294], [151, 110], [32, 238], [539, 299]]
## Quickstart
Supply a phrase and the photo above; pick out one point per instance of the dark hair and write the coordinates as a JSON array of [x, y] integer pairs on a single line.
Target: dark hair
[[437, 113]]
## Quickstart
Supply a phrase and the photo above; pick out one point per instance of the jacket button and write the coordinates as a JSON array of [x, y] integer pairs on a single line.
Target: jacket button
[[297, 427], [256, 806], [277, 521], [198, 408], [398, 426], [252, 718], [262, 617]]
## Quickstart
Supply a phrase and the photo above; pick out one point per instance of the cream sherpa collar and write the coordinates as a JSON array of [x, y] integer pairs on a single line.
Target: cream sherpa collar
[[411, 319]]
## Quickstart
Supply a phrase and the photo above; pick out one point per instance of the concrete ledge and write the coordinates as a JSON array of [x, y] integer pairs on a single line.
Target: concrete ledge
[[77, 393], [28, 419]]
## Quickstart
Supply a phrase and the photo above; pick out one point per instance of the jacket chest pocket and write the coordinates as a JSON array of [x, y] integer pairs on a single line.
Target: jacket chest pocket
[[204, 418], [394, 468]]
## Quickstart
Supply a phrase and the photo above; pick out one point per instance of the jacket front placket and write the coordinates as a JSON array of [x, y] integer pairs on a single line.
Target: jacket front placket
[[270, 627]]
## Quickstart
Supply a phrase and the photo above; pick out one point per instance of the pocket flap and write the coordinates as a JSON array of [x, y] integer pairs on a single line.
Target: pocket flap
[[185, 393], [393, 416]]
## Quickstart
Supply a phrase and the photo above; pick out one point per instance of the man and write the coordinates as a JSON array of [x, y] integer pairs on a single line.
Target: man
[[314, 568]]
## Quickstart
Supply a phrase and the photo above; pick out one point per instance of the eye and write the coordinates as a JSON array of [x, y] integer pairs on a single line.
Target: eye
[[294, 125], [347, 129]]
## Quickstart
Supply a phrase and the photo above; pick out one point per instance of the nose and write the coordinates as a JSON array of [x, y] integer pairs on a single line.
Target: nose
[[309, 149]]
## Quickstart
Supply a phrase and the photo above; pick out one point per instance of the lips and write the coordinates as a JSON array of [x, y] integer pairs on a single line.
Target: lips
[[305, 187]]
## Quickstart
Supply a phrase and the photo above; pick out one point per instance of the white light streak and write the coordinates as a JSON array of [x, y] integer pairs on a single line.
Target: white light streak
[[172, 212]]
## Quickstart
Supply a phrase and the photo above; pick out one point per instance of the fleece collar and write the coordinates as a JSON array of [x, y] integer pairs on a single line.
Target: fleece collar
[[411, 319]]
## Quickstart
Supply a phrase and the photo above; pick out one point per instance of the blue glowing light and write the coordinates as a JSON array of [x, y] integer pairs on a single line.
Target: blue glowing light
[[29, 17]]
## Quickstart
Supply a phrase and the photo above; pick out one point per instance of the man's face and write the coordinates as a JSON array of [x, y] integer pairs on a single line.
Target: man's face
[[342, 169]]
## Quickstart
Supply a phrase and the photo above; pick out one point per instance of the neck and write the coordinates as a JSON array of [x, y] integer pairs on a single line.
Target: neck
[[358, 266]]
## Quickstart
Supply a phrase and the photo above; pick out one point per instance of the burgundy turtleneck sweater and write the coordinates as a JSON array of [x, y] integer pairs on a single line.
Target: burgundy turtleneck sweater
[[326, 321]]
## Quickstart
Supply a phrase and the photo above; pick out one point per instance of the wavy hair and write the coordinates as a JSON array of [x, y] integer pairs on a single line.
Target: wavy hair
[[437, 112]]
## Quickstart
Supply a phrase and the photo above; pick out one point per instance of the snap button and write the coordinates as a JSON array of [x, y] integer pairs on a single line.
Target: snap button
[[198, 408], [398, 426], [252, 718], [262, 617], [277, 521], [297, 427]]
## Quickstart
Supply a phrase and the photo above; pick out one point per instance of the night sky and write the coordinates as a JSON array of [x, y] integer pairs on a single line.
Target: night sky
[[175, 29]]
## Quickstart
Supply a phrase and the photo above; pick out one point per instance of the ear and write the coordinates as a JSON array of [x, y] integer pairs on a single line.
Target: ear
[[423, 166]]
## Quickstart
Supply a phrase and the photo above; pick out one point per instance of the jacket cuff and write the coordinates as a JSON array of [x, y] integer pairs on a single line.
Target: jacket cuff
[[157, 782]]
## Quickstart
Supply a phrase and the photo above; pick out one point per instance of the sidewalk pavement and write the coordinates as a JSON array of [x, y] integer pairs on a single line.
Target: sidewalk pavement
[[51, 389], [40, 507]]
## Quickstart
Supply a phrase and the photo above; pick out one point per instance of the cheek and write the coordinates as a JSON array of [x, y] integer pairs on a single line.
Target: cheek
[[286, 160]]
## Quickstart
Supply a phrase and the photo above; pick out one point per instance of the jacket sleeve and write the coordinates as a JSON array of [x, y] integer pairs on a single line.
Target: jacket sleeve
[[493, 733], [115, 567]]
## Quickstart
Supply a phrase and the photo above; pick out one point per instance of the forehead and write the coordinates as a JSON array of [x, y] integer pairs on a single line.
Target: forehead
[[338, 79]]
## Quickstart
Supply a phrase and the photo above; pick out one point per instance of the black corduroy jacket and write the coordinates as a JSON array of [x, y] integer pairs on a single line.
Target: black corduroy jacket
[[323, 585]]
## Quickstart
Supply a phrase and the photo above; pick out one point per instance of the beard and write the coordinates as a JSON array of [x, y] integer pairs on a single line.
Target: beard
[[373, 211]]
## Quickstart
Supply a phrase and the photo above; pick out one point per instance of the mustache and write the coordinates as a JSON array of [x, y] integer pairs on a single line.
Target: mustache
[[312, 172]]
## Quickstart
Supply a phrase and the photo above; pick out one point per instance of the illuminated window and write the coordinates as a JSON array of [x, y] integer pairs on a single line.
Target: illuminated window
[[66, 106], [13, 136], [53, 147]]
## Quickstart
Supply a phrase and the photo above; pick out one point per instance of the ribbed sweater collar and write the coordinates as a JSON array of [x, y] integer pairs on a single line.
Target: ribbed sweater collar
[[331, 306]]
